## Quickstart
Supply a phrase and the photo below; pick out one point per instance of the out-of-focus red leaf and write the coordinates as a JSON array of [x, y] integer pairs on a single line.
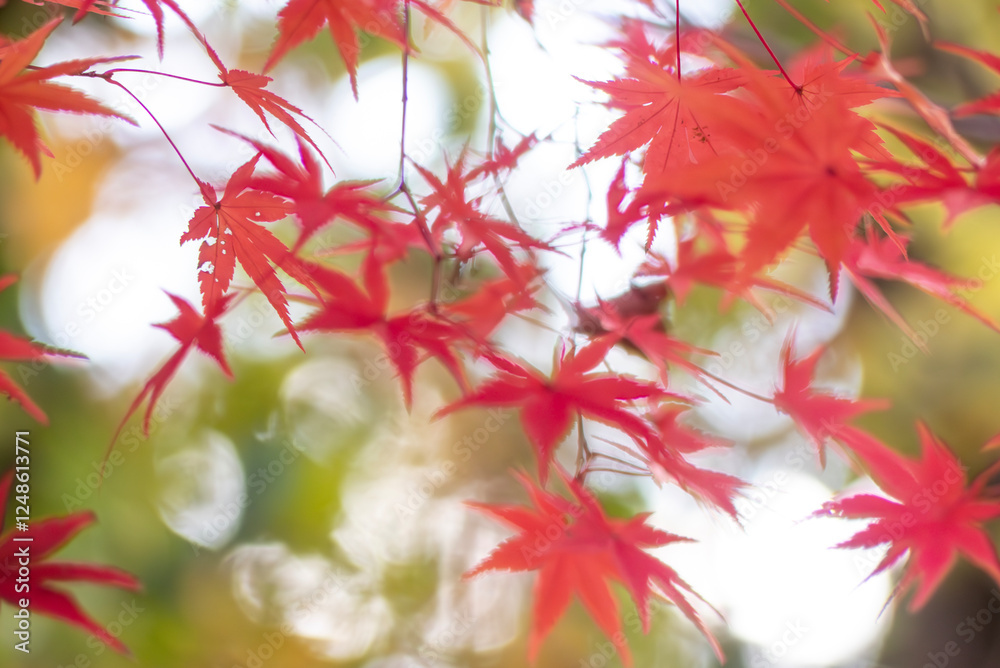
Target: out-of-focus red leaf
[[47, 536], [583, 552]]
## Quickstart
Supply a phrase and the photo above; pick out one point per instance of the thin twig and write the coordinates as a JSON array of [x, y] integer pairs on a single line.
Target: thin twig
[[766, 46], [107, 77], [166, 74]]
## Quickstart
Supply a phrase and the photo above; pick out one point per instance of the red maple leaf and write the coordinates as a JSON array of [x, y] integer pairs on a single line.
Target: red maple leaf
[[664, 455], [192, 330], [621, 215], [704, 259], [881, 259], [550, 404], [388, 243], [251, 88], [460, 212], [819, 415], [16, 349], [504, 159], [229, 227], [681, 117], [300, 20], [941, 180], [314, 206], [796, 169], [820, 78], [989, 104], [24, 90], [812, 180], [633, 320], [577, 549], [47, 536], [406, 336], [935, 515], [103, 7], [658, 197], [482, 311]]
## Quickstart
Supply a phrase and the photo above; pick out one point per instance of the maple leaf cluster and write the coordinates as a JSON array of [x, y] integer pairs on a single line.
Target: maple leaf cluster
[[43, 538], [742, 162]]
